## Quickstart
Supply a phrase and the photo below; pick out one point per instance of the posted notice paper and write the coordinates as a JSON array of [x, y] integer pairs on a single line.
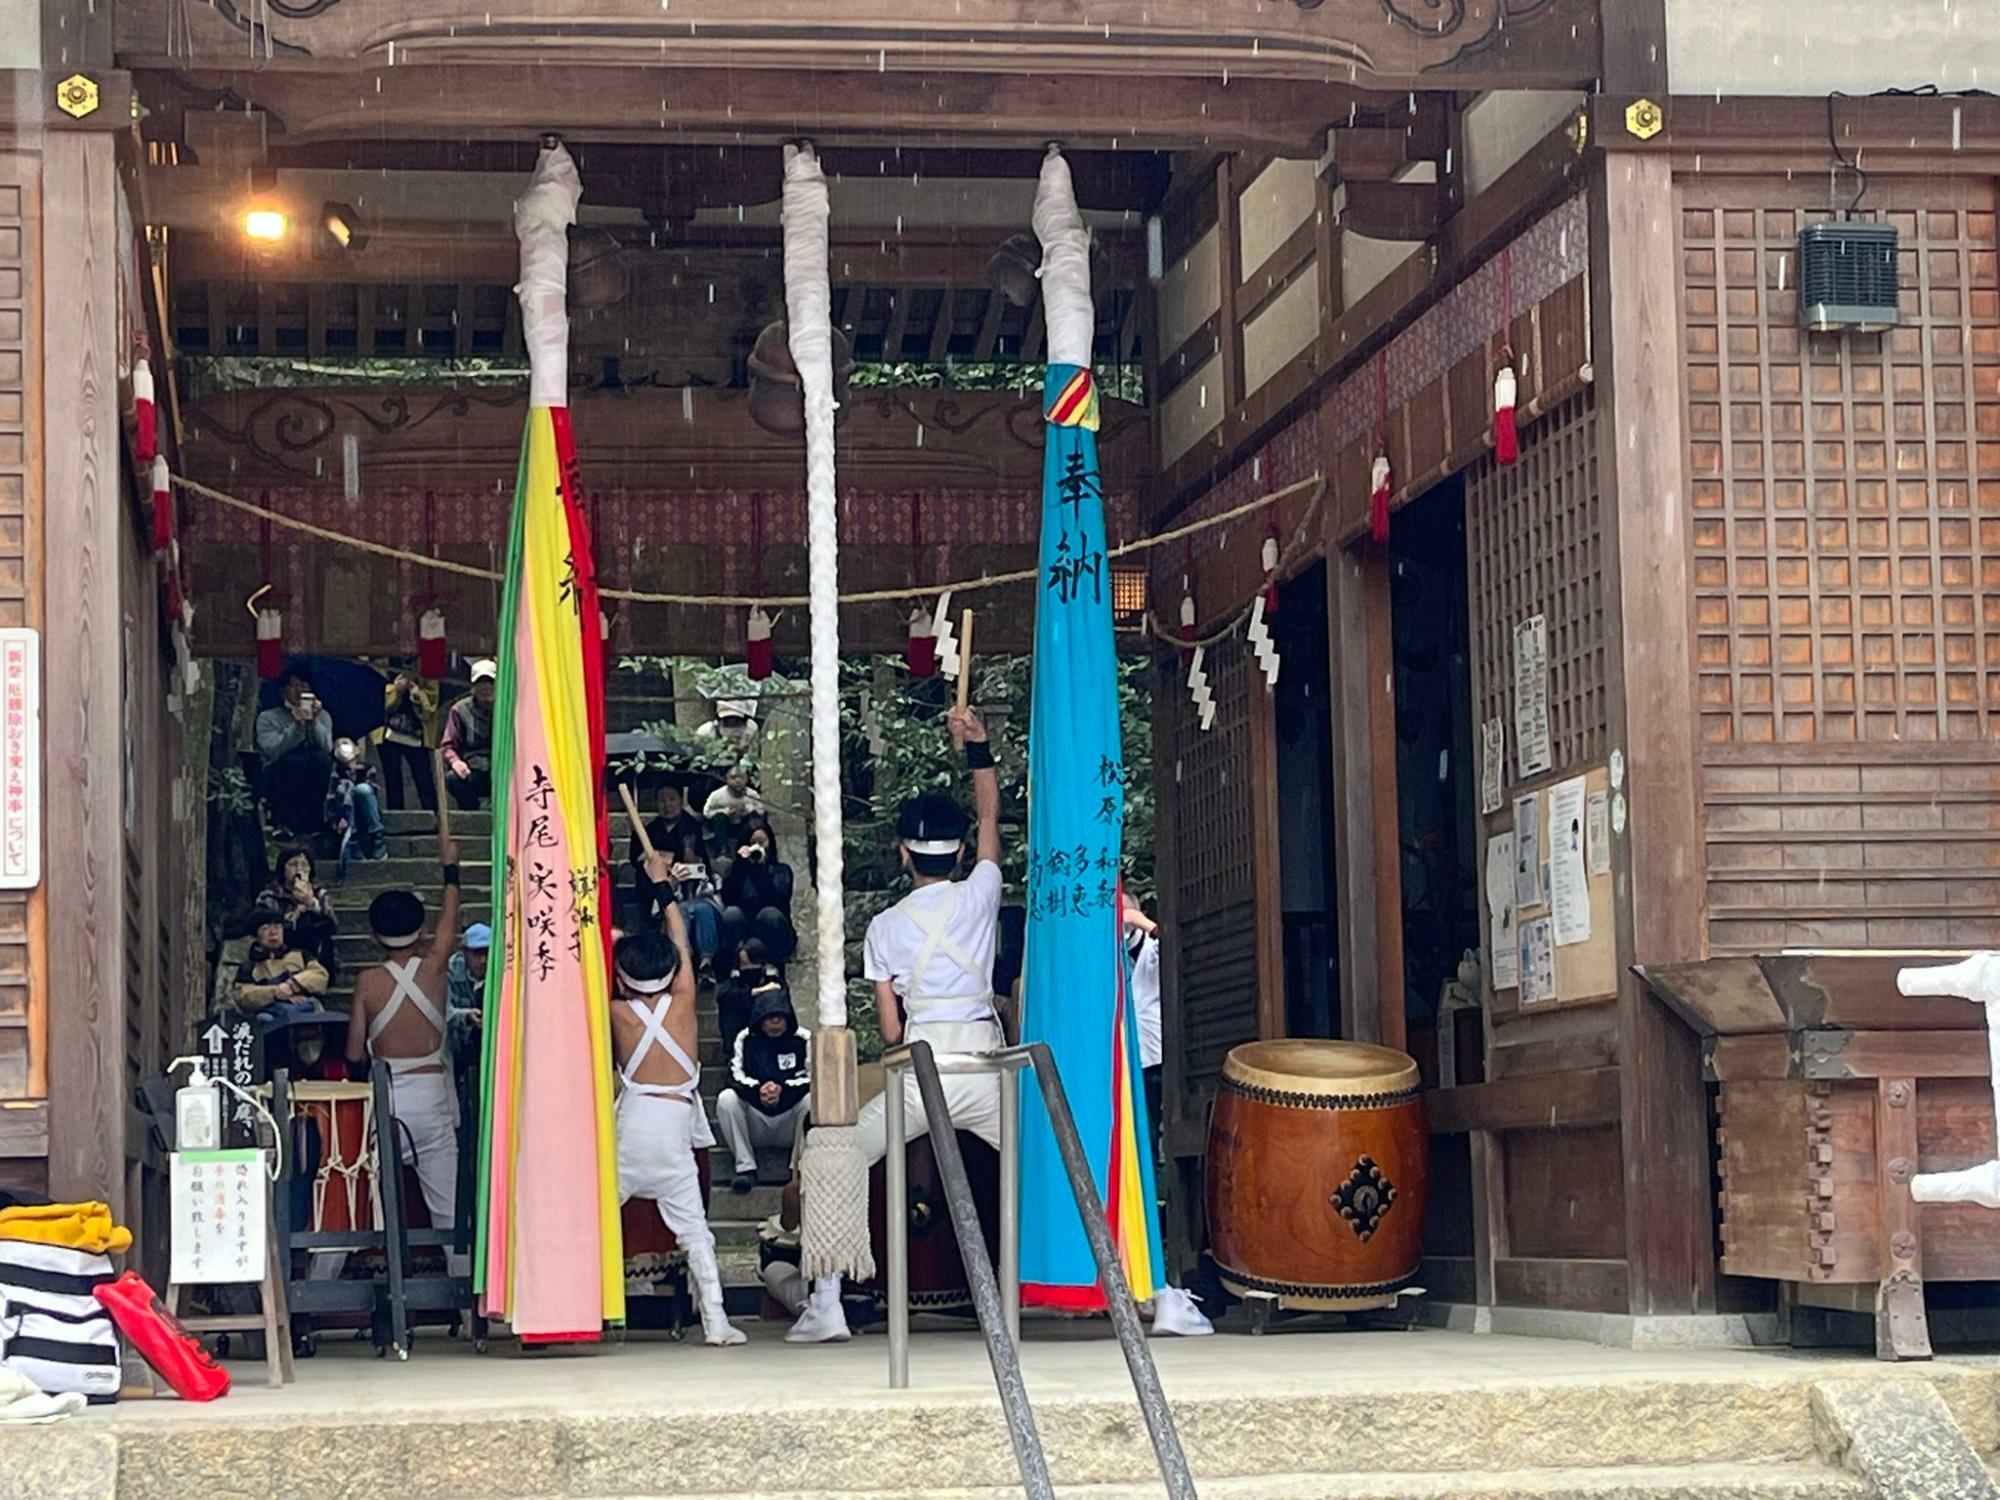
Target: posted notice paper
[[1569, 886], [1492, 752], [1538, 961], [1505, 943], [1597, 822], [1532, 755], [1527, 850]]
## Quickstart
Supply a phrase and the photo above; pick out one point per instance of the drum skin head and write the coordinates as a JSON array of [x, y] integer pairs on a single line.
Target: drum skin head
[[1305, 1066]]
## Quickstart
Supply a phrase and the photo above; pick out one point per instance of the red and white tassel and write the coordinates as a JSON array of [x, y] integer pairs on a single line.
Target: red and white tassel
[[1381, 480], [270, 642], [432, 657], [1506, 437], [757, 644], [163, 504], [920, 648], [145, 417]]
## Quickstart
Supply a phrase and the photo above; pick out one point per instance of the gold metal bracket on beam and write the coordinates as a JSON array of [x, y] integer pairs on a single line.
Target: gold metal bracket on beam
[[1644, 119], [76, 96]]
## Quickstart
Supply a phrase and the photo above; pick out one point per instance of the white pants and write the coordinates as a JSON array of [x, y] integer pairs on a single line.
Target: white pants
[[747, 1128], [972, 1099], [657, 1138], [426, 1108]]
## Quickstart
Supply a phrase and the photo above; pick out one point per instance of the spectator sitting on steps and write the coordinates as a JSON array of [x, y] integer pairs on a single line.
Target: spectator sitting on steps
[[465, 994], [295, 747], [302, 903], [467, 749], [757, 894], [770, 1077], [354, 804], [278, 982]]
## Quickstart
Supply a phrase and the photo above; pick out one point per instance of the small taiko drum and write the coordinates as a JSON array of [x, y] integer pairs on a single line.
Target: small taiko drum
[[937, 1265], [341, 1117], [1317, 1155]]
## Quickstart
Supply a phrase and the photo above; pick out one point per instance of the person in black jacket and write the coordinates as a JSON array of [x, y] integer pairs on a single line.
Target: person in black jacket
[[770, 1075], [757, 895]]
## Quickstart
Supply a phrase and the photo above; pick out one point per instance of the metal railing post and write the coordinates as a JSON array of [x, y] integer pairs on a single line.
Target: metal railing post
[[1010, 1199], [896, 1222]]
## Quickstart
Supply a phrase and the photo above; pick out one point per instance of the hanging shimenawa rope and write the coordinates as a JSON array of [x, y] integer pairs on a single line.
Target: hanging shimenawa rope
[[744, 601]]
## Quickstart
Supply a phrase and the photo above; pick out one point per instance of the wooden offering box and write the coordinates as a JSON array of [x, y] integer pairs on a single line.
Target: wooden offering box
[[1834, 1091]]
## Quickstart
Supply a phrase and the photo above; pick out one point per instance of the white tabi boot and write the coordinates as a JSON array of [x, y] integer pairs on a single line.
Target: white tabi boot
[[1174, 1312], [716, 1329], [824, 1321]]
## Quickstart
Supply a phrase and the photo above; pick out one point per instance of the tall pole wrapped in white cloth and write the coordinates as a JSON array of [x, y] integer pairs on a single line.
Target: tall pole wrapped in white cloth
[[833, 1175], [1066, 306], [542, 217]]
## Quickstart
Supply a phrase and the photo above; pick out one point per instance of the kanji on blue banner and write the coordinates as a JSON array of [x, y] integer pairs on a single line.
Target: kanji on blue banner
[[1075, 985]]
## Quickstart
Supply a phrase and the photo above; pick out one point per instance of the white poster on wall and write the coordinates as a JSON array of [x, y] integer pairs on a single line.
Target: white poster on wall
[[1569, 887], [1505, 942], [1538, 961], [1598, 822], [20, 759], [1492, 772], [1531, 697], [1528, 863]]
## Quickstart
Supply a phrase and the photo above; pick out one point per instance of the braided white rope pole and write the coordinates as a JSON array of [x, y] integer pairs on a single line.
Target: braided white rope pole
[[809, 317], [1065, 271], [542, 217]]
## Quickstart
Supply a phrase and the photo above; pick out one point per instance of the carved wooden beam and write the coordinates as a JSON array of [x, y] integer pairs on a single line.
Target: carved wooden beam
[[1388, 44]]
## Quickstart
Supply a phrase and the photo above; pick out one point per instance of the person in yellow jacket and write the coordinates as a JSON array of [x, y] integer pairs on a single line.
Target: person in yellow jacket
[[409, 734]]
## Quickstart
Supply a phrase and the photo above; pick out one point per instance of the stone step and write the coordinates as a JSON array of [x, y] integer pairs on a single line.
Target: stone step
[[1693, 1482]]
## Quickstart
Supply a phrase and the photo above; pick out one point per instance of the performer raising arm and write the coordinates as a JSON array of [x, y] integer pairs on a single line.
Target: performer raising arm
[[654, 1034], [930, 958]]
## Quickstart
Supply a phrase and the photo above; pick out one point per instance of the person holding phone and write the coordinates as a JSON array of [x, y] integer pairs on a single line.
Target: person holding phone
[[295, 746]]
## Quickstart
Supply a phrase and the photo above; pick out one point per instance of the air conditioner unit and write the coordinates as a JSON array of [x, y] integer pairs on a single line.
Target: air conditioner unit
[[1847, 277]]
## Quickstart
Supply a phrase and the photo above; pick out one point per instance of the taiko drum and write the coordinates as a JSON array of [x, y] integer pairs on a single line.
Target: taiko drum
[[1317, 1155]]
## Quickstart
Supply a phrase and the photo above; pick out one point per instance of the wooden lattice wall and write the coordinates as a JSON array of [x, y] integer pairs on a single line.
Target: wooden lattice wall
[[1535, 545], [1212, 863], [1845, 526]]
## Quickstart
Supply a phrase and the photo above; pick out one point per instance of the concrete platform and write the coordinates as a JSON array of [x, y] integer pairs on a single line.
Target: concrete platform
[[1290, 1416]]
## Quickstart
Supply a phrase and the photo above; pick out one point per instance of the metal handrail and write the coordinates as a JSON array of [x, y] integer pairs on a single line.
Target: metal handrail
[[999, 1312]]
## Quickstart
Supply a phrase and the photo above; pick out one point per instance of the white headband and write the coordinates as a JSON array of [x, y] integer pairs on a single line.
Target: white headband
[[399, 942], [933, 846], [643, 986]]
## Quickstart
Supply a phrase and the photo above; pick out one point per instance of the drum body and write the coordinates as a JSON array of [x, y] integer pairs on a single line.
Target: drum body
[[937, 1269], [1317, 1158], [342, 1117]]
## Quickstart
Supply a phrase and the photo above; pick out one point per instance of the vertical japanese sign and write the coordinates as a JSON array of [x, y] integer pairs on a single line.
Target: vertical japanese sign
[[20, 759], [217, 1203]]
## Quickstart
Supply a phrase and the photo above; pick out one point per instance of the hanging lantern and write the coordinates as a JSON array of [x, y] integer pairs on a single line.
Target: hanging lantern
[[920, 649], [757, 644], [163, 503], [145, 419], [1380, 480], [270, 641], [1506, 438], [432, 657]]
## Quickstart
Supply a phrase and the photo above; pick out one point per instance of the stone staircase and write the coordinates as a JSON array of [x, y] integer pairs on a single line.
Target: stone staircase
[[413, 865]]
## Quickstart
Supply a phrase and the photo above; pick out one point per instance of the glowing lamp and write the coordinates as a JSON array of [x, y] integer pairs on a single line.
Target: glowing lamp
[[264, 225]]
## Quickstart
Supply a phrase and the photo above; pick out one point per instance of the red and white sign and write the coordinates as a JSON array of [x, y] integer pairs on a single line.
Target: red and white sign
[[20, 759]]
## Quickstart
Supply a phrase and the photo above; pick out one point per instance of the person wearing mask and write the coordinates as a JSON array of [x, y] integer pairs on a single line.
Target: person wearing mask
[[757, 895], [467, 749], [733, 995], [465, 994], [354, 804], [676, 833], [409, 710], [278, 981], [770, 1078], [302, 902], [660, 1119], [295, 747], [397, 1017]]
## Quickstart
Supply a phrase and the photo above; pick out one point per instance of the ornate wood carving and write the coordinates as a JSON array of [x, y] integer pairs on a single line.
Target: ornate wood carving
[[1393, 44]]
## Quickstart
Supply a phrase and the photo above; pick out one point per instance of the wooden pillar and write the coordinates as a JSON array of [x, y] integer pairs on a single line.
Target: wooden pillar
[[1657, 862], [1264, 864], [1367, 865], [84, 798]]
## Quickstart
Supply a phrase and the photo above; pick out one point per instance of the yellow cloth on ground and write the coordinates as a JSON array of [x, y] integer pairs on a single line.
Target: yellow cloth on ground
[[76, 1226]]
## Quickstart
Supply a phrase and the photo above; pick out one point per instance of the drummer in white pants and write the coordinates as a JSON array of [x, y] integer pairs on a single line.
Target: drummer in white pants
[[397, 1017], [930, 958], [660, 1117]]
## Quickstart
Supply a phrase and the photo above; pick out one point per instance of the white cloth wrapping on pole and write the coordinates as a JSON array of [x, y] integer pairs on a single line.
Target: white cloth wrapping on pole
[[542, 216], [1977, 979], [1066, 306], [809, 319]]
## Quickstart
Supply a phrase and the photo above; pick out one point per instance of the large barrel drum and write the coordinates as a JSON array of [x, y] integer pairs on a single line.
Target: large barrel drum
[[1317, 1155]]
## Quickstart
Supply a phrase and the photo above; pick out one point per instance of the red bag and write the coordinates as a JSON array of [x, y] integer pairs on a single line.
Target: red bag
[[175, 1354]]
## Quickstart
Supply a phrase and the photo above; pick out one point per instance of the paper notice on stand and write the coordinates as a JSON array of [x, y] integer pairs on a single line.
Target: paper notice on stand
[[1505, 945], [1569, 887], [1492, 752], [216, 1235], [1527, 850], [1538, 961], [1597, 822], [1531, 697]]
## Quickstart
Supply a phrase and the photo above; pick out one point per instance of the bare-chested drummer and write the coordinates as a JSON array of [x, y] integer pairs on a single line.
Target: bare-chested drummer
[[398, 1018]]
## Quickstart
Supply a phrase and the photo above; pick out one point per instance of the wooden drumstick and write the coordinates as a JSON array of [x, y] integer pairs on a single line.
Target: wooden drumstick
[[443, 795], [638, 823], [964, 658]]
